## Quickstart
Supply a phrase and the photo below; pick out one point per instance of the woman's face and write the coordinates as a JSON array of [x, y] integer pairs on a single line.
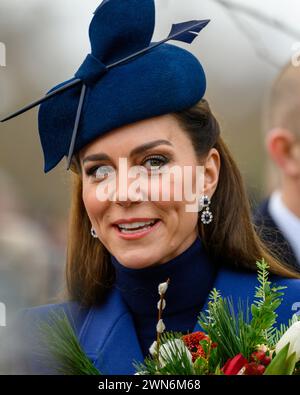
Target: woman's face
[[175, 229]]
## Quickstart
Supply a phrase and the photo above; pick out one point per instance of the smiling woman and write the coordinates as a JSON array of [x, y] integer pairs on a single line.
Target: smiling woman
[[173, 229], [184, 138], [120, 248]]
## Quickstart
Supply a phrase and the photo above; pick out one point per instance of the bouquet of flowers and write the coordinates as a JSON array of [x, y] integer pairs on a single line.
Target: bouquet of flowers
[[241, 341]]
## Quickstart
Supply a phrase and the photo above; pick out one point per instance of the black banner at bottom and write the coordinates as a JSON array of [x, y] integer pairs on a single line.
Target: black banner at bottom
[[130, 384]]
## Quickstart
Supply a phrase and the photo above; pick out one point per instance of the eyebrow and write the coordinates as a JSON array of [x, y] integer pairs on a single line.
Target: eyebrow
[[135, 151]]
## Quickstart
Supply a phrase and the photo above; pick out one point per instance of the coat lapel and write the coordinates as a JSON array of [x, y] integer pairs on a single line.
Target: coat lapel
[[273, 236], [109, 338]]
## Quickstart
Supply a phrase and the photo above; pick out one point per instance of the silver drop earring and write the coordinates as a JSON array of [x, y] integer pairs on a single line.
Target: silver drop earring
[[93, 233], [206, 215]]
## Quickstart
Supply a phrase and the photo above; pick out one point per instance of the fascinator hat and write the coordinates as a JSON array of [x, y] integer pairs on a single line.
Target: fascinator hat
[[124, 79]]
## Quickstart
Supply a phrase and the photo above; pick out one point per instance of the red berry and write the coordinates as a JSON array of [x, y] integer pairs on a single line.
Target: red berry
[[253, 369], [266, 361], [260, 369], [258, 356]]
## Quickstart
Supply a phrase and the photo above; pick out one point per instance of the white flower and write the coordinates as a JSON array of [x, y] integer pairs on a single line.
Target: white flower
[[163, 304], [160, 327], [262, 347], [173, 347], [162, 288], [153, 348], [292, 336]]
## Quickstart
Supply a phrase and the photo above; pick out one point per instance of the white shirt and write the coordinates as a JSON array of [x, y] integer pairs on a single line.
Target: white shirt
[[287, 222]]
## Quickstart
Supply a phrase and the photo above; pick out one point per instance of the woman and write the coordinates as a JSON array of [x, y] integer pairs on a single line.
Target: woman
[[120, 248]]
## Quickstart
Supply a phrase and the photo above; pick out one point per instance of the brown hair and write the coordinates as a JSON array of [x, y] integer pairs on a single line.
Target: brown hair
[[229, 239]]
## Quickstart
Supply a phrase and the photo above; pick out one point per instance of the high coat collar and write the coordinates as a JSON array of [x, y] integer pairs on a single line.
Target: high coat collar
[[108, 335]]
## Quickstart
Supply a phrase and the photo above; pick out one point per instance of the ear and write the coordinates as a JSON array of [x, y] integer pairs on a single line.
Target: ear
[[281, 144], [211, 172]]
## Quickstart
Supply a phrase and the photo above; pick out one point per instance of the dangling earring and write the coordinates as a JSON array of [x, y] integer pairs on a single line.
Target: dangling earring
[[93, 233], [206, 215]]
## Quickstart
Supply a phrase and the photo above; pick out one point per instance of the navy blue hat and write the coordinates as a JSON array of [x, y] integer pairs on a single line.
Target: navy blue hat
[[125, 78]]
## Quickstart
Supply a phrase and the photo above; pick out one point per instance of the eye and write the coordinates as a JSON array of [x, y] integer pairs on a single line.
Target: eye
[[156, 162], [100, 172]]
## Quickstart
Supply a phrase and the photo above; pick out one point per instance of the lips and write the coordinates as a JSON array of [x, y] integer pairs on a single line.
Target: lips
[[133, 232], [131, 220], [131, 227]]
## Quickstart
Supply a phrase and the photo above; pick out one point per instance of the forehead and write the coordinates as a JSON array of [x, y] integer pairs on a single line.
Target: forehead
[[123, 139]]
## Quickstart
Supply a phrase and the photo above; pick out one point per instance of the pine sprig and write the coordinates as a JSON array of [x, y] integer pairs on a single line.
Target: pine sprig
[[267, 300], [58, 336], [283, 328], [224, 326], [235, 332]]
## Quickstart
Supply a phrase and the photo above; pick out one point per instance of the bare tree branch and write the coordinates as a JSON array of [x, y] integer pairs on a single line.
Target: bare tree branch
[[260, 49], [272, 22], [232, 9]]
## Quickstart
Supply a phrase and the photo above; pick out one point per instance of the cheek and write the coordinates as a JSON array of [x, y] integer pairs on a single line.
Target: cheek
[[183, 184], [176, 216], [179, 192], [186, 216], [92, 205]]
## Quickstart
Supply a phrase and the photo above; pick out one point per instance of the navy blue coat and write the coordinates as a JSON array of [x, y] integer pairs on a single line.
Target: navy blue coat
[[107, 333], [272, 235]]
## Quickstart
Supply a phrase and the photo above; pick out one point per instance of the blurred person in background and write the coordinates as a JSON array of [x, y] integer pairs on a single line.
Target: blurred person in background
[[278, 216], [30, 258]]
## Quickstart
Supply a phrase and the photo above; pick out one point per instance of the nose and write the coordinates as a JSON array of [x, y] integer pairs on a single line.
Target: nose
[[127, 194]]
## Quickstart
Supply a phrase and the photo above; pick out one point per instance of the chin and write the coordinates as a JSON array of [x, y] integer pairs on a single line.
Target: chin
[[137, 265], [135, 260]]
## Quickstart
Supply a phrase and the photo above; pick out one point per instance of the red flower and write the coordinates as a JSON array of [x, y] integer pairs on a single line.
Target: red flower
[[257, 365], [192, 341], [198, 353], [234, 365]]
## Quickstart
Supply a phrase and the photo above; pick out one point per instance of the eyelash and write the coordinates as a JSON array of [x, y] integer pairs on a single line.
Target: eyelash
[[159, 157], [92, 170], [162, 158]]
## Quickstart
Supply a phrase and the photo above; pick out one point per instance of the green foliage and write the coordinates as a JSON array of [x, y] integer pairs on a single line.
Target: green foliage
[[59, 337], [283, 328], [174, 362], [268, 299], [223, 326], [177, 362], [234, 332], [200, 366], [282, 363], [235, 329]]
